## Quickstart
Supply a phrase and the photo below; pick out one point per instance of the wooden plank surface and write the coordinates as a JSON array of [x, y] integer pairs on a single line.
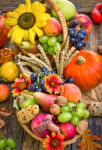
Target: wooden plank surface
[[83, 6], [13, 128]]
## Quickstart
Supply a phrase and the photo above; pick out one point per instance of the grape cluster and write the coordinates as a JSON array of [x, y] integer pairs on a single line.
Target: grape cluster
[[38, 81], [51, 44], [77, 38], [73, 112]]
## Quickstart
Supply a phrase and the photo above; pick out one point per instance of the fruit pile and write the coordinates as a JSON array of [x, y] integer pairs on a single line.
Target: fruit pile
[[48, 91]]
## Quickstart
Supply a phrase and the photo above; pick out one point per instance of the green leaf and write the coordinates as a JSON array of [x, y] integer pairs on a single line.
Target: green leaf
[[15, 105]]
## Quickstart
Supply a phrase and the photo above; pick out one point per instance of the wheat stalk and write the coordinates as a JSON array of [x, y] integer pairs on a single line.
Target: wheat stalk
[[71, 57], [44, 56]]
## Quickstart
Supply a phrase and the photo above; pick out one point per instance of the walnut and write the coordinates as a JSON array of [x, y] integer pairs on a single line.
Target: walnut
[[55, 109], [61, 100]]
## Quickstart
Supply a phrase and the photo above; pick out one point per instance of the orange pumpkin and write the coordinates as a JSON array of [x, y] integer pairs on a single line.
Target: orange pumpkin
[[85, 69], [3, 31]]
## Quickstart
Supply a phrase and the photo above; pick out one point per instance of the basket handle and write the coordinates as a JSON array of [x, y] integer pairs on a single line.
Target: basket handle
[[61, 18]]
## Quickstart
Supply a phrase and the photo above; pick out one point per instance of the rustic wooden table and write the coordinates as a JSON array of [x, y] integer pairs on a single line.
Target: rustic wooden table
[[13, 128]]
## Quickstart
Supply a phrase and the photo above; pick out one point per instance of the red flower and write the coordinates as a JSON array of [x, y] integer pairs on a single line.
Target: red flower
[[21, 84], [55, 142], [53, 83]]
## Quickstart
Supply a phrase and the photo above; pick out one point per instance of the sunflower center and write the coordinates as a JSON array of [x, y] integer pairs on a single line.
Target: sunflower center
[[53, 84], [54, 143], [22, 86], [26, 20]]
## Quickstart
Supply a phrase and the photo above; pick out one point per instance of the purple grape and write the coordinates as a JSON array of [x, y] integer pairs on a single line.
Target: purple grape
[[74, 23], [41, 82], [31, 87], [79, 45], [33, 77], [83, 43], [70, 80], [53, 72], [43, 89], [35, 84], [82, 31], [72, 40], [43, 69], [71, 32], [39, 89], [80, 36]]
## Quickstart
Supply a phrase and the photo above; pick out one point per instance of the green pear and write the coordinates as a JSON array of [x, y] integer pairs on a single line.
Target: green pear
[[25, 100], [68, 9], [45, 100]]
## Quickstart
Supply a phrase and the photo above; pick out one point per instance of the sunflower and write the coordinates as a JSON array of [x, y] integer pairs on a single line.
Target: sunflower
[[53, 83], [21, 84], [55, 142], [27, 21]]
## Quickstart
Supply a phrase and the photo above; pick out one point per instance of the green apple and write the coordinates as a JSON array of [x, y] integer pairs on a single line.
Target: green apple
[[25, 100], [68, 9]]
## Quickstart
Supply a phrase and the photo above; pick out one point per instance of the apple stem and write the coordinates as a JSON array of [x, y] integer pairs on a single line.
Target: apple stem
[[80, 60]]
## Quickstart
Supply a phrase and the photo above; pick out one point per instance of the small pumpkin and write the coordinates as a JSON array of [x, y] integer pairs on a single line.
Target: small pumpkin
[[85, 69], [6, 54], [3, 31]]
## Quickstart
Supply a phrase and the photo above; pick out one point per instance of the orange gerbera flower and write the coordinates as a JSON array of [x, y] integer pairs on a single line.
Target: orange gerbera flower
[[53, 83], [21, 84], [55, 142]]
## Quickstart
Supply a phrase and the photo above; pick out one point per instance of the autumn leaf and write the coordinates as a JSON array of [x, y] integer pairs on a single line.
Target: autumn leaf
[[88, 141], [2, 123], [4, 112]]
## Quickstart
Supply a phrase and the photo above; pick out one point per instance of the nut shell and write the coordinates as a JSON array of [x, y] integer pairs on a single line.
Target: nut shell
[[61, 101], [55, 109]]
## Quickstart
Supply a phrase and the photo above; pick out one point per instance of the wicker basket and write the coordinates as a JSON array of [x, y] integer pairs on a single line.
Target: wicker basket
[[65, 35]]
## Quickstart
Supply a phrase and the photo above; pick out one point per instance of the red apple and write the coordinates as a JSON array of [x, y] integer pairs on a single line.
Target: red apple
[[96, 14], [68, 130], [84, 22]]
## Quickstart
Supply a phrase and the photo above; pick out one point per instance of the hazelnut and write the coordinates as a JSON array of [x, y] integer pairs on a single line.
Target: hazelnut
[[61, 101], [55, 109]]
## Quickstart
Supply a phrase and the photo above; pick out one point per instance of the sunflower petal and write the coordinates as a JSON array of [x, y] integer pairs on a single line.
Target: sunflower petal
[[28, 5], [34, 6], [38, 31], [21, 9], [26, 35], [31, 35], [11, 21], [13, 14]]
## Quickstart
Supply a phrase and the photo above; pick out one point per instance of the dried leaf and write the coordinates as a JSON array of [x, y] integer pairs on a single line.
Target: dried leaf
[[88, 141], [4, 112], [2, 123]]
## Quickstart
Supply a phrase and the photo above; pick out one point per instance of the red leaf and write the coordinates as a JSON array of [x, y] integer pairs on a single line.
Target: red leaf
[[4, 112]]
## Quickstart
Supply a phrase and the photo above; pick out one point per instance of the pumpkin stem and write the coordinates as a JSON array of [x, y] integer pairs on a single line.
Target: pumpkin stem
[[80, 60]]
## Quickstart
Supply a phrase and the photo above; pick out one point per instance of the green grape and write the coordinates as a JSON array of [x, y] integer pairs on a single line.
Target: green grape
[[51, 50], [57, 46], [80, 112], [8, 148], [73, 113], [87, 114], [71, 106], [81, 105], [64, 109], [64, 117], [60, 37], [45, 47], [52, 40], [11, 143], [43, 39], [75, 120], [2, 143]]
